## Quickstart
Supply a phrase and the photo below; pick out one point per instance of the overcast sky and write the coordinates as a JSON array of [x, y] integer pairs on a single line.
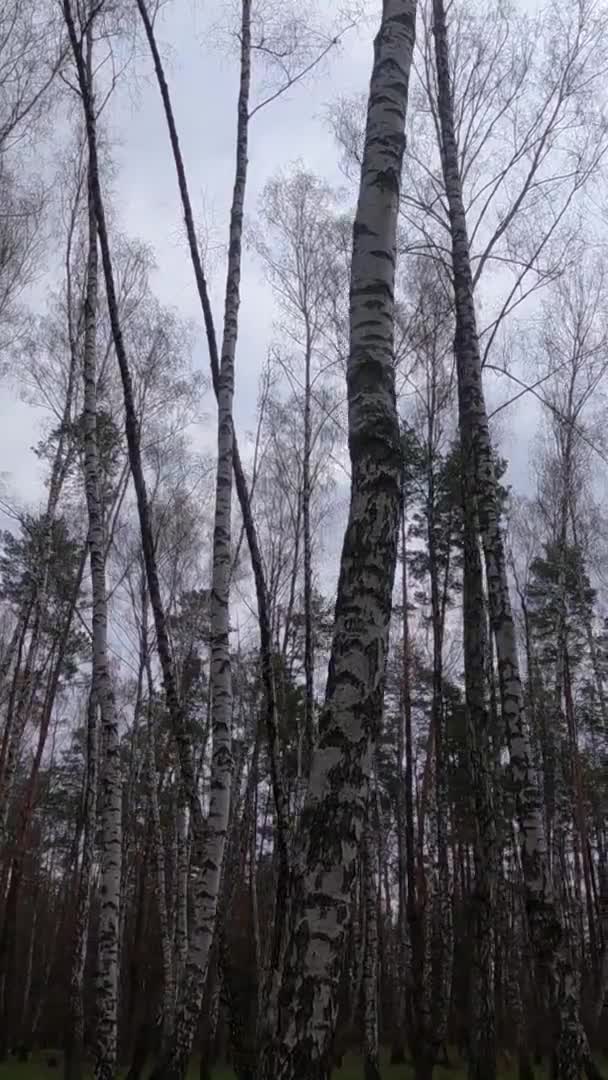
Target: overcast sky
[[203, 78]]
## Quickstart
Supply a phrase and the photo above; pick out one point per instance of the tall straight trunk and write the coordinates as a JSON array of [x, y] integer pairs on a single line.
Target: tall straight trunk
[[281, 802], [545, 926], [405, 820], [371, 948], [110, 805], [264, 618], [181, 886], [308, 631], [335, 809], [602, 984], [482, 1021], [157, 845], [74, 1049], [179, 726], [207, 885], [442, 930]]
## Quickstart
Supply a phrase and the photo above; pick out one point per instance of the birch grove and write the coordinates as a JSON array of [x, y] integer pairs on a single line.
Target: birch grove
[[303, 608]]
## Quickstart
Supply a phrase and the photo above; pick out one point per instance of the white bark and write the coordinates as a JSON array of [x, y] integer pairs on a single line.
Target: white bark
[[158, 850], [370, 961], [545, 926], [111, 783], [208, 878], [336, 804]]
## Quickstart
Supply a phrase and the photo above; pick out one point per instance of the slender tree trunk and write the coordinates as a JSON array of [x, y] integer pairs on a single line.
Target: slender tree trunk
[[110, 773], [208, 884], [545, 926], [158, 849], [335, 808], [405, 822], [132, 429], [264, 618], [370, 962], [441, 937], [482, 1040], [308, 630], [181, 887], [73, 1060]]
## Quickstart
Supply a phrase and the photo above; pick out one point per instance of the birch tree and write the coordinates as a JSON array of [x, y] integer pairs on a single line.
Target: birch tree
[[545, 928], [334, 812]]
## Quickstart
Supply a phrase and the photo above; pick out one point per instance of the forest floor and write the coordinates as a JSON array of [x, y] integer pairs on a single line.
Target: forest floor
[[39, 1069]]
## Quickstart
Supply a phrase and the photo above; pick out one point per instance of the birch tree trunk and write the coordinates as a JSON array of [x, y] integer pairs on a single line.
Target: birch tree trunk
[[207, 885], [132, 431], [482, 1040], [370, 961], [157, 846], [308, 634], [335, 808], [73, 1062], [545, 925], [110, 787], [266, 638], [181, 887], [405, 822]]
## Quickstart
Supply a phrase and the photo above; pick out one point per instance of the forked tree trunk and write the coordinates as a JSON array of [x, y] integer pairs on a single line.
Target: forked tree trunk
[[546, 930], [335, 809]]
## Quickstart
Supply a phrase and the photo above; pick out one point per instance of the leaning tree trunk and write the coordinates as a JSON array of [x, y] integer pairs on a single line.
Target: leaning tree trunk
[[546, 929], [179, 726], [207, 885], [266, 637], [335, 809], [110, 808]]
